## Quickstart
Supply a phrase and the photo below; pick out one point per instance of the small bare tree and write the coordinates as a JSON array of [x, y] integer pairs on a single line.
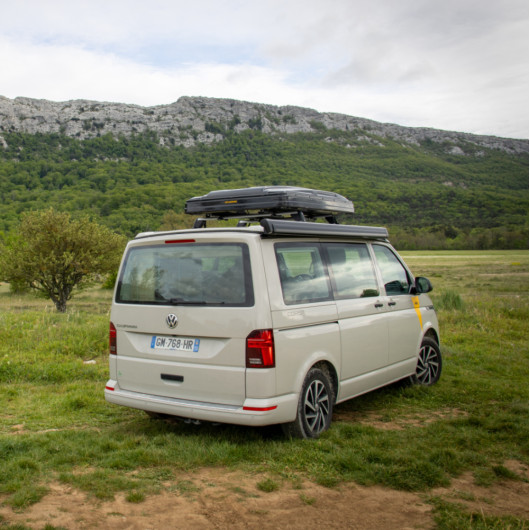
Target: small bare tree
[[53, 253]]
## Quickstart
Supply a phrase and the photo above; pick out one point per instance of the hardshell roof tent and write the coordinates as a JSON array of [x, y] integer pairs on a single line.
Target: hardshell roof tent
[[276, 207], [270, 202]]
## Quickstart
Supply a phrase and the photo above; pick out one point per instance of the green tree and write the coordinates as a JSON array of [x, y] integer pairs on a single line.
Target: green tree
[[176, 221], [53, 254]]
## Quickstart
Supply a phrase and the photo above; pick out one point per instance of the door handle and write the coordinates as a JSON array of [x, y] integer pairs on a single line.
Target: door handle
[[392, 303], [171, 377], [378, 304]]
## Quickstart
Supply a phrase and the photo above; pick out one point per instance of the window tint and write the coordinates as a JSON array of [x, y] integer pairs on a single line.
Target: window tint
[[394, 274], [302, 273], [187, 273], [352, 270]]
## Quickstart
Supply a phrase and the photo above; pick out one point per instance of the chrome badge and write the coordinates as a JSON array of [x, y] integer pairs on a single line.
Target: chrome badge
[[172, 321]]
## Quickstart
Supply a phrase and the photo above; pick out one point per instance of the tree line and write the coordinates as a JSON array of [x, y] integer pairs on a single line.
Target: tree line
[[426, 196]]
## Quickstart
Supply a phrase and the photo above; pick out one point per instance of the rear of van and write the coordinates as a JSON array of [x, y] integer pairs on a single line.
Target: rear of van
[[268, 324], [187, 325]]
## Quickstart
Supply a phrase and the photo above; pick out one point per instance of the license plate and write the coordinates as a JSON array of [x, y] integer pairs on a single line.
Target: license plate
[[175, 343]]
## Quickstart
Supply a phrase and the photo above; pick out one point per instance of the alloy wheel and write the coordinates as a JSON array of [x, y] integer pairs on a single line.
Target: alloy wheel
[[316, 407], [428, 365]]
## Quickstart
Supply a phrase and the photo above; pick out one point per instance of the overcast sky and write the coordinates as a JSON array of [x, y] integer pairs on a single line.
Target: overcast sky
[[450, 64]]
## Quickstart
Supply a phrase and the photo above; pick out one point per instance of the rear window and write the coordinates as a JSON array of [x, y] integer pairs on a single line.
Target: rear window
[[187, 273]]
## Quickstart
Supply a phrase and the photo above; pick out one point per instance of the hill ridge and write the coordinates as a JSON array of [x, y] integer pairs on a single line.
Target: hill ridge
[[192, 120]]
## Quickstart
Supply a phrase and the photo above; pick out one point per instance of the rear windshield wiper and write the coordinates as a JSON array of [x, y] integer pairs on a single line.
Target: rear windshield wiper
[[179, 301], [175, 301]]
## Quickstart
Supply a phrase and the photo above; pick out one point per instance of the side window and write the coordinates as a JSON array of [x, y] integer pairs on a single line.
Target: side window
[[302, 273], [351, 270], [394, 274]]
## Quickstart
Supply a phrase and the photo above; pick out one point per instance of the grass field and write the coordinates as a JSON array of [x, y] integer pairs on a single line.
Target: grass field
[[56, 426]]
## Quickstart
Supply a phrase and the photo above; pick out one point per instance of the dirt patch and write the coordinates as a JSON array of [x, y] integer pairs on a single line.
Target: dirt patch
[[380, 422], [20, 429], [217, 498], [507, 497]]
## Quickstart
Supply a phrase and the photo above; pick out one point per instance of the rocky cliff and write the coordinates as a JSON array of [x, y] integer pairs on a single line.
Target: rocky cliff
[[197, 119]]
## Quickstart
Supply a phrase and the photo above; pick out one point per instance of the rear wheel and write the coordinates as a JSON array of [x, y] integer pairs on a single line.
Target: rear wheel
[[315, 407], [429, 367]]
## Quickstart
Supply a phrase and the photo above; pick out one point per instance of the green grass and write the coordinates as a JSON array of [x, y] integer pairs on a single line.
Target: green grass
[[55, 424], [267, 485], [450, 516]]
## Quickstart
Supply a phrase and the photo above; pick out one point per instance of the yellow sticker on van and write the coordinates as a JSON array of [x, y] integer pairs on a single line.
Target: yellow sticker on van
[[416, 302]]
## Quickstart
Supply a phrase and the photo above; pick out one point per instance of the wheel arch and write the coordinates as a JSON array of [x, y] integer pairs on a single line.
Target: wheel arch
[[329, 369], [431, 333]]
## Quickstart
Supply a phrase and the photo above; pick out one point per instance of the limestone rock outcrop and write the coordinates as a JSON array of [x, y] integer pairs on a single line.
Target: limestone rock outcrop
[[198, 119]]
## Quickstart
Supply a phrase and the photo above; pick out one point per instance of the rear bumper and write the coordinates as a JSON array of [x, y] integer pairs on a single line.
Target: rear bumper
[[253, 412]]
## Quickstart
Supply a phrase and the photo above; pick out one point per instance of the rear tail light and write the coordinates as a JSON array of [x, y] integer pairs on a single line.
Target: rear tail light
[[260, 349], [113, 349]]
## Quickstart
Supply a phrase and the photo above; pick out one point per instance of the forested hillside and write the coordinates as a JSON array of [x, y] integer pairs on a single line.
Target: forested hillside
[[429, 195]]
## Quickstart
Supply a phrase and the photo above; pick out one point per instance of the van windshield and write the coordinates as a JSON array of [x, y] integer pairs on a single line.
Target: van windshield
[[187, 274]]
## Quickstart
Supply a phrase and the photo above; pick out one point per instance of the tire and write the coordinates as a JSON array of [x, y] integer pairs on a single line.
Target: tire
[[315, 407], [429, 367]]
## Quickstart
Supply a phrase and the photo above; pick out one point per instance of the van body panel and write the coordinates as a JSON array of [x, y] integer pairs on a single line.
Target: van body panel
[[136, 325], [404, 328], [364, 336], [260, 383], [300, 348], [284, 408], [364, 383], [185, 380], [304, 315], [429, 319], [218, 367]]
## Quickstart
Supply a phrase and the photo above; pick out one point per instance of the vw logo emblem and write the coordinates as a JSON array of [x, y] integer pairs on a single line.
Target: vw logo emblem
[[172, 321]]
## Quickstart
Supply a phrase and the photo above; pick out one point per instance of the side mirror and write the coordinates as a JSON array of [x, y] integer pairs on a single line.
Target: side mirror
[[423, 285]]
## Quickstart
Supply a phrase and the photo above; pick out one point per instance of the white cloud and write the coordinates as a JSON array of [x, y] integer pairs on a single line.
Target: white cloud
[[64, 72], [458, 64]]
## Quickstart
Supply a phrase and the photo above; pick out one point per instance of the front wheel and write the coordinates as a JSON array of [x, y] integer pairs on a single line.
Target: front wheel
[[315, 407], [429, 367]]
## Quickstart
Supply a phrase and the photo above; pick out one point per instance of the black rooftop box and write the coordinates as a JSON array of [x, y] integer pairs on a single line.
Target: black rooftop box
[[269, 200]]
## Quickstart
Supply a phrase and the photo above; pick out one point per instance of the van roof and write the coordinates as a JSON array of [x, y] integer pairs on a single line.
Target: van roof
[[254, 228], [284, 228]]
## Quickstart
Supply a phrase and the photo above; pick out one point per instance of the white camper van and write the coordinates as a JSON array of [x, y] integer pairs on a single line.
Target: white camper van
[[273, 321]]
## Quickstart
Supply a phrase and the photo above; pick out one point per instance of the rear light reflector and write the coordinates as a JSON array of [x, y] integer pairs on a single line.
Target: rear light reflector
[[109, 388], [113, 347], [260, 409], [260, 349]]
